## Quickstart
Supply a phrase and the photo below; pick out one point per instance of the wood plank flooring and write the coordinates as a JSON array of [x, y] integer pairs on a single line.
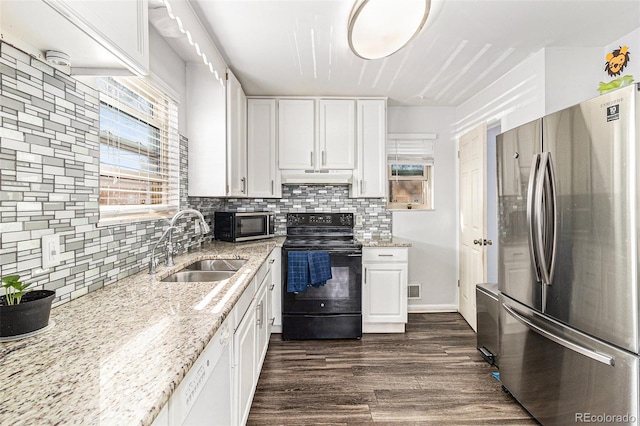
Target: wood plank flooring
[[431, 375]]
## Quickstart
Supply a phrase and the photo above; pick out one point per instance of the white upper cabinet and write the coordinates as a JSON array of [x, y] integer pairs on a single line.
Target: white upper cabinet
[[316, 134], [371, 171], [337, 134], [206, 130], [296, 133], [236, 138], [95, 34], [262, 161]]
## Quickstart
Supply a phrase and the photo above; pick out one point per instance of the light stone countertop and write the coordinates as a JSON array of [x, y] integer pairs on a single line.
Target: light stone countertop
[[384, 242], [115, 356]]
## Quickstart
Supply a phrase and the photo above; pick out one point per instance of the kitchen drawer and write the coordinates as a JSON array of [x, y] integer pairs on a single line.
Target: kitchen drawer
[[262, 272], [385, 254], [244, 301]]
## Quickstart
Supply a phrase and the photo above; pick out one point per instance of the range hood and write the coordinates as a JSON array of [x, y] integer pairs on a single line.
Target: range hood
[[317, 177]]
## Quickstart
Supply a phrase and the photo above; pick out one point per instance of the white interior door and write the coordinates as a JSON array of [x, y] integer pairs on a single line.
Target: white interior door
[[473, 193]]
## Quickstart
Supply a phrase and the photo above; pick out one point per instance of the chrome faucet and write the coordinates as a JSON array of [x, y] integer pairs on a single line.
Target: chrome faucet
[[171, 248]]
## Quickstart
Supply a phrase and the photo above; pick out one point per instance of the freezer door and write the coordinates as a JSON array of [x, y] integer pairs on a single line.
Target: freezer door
[[562, 376], [594, 148], [516, 151]]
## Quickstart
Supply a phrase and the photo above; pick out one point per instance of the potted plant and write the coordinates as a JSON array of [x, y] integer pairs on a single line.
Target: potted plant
[[23, 312]]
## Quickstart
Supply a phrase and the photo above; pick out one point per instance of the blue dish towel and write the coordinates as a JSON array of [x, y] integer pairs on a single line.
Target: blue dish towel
[[319, 268], [297, 271]]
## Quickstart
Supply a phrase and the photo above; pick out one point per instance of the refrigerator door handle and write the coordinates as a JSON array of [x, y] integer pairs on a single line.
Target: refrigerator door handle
[[531, 219], [546, 219], [596, 356], [552, 208]]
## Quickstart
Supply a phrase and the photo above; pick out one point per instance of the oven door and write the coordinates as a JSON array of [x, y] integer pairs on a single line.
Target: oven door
[[340, 295]]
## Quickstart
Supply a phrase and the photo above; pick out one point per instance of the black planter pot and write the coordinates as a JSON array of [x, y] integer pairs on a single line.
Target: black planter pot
[[31, 314]]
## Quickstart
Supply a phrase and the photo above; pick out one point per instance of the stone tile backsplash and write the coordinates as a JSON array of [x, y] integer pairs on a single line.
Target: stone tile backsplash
[[49, 161], [376, 219], [49, 184]]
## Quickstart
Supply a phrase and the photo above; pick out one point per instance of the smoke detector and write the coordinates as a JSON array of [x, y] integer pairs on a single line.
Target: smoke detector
[[57, 58]]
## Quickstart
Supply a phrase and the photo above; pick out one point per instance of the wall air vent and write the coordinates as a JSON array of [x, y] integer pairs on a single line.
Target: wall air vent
[[415, 291]]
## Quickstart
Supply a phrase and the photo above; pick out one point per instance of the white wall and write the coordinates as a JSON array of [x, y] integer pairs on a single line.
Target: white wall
[[433, 258], [572, 75], [514, 99]]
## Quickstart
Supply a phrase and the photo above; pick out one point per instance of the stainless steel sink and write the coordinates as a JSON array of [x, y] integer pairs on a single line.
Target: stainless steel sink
[[216, 265], [198, 276]]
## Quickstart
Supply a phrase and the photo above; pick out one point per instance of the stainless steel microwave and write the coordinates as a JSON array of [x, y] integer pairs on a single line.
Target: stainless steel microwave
[[245, 226]]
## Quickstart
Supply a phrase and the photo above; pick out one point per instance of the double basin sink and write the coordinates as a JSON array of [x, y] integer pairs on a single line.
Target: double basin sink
[[208, 270]]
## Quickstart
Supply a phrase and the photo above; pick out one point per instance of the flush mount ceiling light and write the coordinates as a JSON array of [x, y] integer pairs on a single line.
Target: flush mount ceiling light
[[379, 28], [57, 58]]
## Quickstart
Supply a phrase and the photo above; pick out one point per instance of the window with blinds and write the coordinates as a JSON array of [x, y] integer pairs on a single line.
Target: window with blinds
[[139, 149], [410, 171]]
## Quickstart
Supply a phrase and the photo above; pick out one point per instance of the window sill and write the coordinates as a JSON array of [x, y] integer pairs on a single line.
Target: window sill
[[412, 209], [133, 218]]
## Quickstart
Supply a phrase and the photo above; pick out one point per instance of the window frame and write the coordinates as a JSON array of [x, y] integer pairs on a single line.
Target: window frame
[[412, 149], [426, 179], [168, 155]]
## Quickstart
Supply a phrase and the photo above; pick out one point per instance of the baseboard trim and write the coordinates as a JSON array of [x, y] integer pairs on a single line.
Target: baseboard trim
[[422, 309]]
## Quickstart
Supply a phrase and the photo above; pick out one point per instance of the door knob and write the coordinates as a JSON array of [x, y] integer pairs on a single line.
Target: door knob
[[487, 242], [478, 242]]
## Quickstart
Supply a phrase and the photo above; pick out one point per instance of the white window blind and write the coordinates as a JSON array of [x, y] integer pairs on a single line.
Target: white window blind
[[139, 148], [410, 146]]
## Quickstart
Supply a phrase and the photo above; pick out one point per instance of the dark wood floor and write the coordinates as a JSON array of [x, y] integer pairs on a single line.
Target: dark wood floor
[[431, 375]]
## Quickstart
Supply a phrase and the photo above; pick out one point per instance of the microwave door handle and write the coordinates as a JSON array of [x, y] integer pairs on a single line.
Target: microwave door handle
[[531, 219]]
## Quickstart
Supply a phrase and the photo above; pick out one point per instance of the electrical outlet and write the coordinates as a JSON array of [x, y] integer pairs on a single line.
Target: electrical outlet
[[358, 220], [50, 251], [198, 228]]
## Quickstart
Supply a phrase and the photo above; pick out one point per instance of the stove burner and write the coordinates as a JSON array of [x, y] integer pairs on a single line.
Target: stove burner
[[326, 231]]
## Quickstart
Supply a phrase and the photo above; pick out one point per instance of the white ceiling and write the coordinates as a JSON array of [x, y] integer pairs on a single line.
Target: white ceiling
[[299, 47]]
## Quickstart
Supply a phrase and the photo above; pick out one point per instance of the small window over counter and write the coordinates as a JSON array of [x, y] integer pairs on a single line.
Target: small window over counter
[[410, 163]]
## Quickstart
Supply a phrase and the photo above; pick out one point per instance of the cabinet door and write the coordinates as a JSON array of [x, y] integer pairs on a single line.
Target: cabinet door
[[245, 355], [122, 27], [384, 293], [296, 134], [207, 130], [337, 134], [236, 138], [262, 162], [262, 320], [371, 170], [276, 284]]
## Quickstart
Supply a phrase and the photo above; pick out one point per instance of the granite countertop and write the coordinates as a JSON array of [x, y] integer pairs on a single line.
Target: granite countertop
[[114, 356], [385, 242]]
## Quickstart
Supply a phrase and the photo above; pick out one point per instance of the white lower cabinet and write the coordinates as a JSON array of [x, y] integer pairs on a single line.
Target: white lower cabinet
[[219, 387], [276, 290], [384, 289], [244, 364]]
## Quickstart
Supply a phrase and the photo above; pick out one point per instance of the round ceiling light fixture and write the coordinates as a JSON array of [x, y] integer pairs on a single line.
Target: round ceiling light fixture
[[379, 28], [57, 58]]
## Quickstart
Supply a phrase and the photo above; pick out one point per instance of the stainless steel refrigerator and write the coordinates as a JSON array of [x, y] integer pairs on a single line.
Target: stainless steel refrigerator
[[569, 230]]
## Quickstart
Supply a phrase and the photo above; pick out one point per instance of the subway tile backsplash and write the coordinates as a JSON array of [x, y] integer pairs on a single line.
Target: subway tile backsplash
[[49, 177]]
